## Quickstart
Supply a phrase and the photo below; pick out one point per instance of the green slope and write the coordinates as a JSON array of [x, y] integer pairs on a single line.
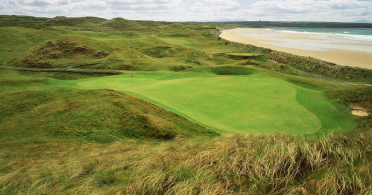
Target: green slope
[[32, 111], [244, 104]]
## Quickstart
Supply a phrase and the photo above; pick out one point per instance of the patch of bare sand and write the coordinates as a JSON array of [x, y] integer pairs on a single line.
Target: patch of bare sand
[[358, 111], [340, 57]]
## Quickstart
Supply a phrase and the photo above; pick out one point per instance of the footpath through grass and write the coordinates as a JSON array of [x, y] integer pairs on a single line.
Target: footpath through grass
[[240, 104]]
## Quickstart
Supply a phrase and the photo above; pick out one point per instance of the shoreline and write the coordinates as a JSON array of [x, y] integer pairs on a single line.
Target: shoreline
[[341, 57]]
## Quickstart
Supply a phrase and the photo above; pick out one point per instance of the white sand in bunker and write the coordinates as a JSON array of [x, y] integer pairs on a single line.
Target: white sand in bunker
[[358, 111], [327, 48]]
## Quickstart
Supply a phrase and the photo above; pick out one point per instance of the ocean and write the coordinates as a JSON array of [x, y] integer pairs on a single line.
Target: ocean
[[356, 33]]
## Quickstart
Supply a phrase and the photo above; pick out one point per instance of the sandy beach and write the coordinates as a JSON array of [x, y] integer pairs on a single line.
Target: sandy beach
[[346, 52]]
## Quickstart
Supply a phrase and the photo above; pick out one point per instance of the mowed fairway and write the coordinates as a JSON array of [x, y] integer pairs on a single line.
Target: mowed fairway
[[243, 104]]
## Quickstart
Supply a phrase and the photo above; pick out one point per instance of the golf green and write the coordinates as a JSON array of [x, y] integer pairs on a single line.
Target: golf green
[[243, 104]]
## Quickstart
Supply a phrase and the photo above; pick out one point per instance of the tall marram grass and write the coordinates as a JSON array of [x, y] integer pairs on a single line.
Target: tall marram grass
[[261, 165], [230, 164]]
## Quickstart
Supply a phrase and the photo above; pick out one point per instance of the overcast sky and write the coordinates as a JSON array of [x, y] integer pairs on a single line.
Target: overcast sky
[[196, 10]]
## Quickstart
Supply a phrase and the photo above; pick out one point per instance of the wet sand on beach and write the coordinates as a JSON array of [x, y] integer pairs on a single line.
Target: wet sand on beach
[[340, 56]]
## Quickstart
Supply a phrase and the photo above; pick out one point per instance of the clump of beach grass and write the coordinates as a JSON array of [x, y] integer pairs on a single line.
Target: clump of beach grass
[[229, 164]]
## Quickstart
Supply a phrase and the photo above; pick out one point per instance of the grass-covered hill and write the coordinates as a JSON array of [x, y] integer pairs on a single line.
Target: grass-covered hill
[[168, 51], [145, 120], [62, 47], [67, 140], [75, 22], [121, 24], [95, 115], [98, 115], [60, 53], [139, 45], [73, 51], [115, 25], [64, 140]]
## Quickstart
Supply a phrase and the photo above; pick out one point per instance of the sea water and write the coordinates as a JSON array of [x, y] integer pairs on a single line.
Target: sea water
[[357, 33]]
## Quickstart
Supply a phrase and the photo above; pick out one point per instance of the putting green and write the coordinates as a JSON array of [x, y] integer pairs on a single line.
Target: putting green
[[244, 104]]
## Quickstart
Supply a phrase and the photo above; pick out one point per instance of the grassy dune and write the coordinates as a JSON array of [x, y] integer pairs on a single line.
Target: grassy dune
[[61, 48], [109, 116], [35, 111], [69, 132], [15, 41]]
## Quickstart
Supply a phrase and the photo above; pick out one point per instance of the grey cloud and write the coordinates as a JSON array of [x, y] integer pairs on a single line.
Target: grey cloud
[[228, 3], [310, 9], [321, 10], [37, 3], [138, 2], [215, 6], [145, 8], [143, 5]]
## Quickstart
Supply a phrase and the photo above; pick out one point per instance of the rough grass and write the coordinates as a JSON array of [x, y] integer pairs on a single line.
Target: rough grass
[[30, 107], [362, 94], [200, 50], [232, 70], [73, 51], [175, 33], [98, 115], [208, 44], [266, 164], [16, 41], [120, 24], [11, 78], [310, 65], [357, 97], [260, 165], [167, 51], [59, 53], [243, 56], [105, 50], [319, 67]]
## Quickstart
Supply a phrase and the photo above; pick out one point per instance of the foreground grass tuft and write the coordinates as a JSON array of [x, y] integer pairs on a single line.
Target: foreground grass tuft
[[263, 164]]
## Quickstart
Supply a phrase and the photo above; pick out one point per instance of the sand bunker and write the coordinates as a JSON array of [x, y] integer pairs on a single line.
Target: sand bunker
[[359, 111]]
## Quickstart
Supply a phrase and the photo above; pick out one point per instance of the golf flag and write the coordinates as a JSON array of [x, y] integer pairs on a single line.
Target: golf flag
[[131, 80]]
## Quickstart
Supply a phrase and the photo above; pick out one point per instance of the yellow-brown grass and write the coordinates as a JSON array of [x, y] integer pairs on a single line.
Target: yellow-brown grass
[[231, 164]]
